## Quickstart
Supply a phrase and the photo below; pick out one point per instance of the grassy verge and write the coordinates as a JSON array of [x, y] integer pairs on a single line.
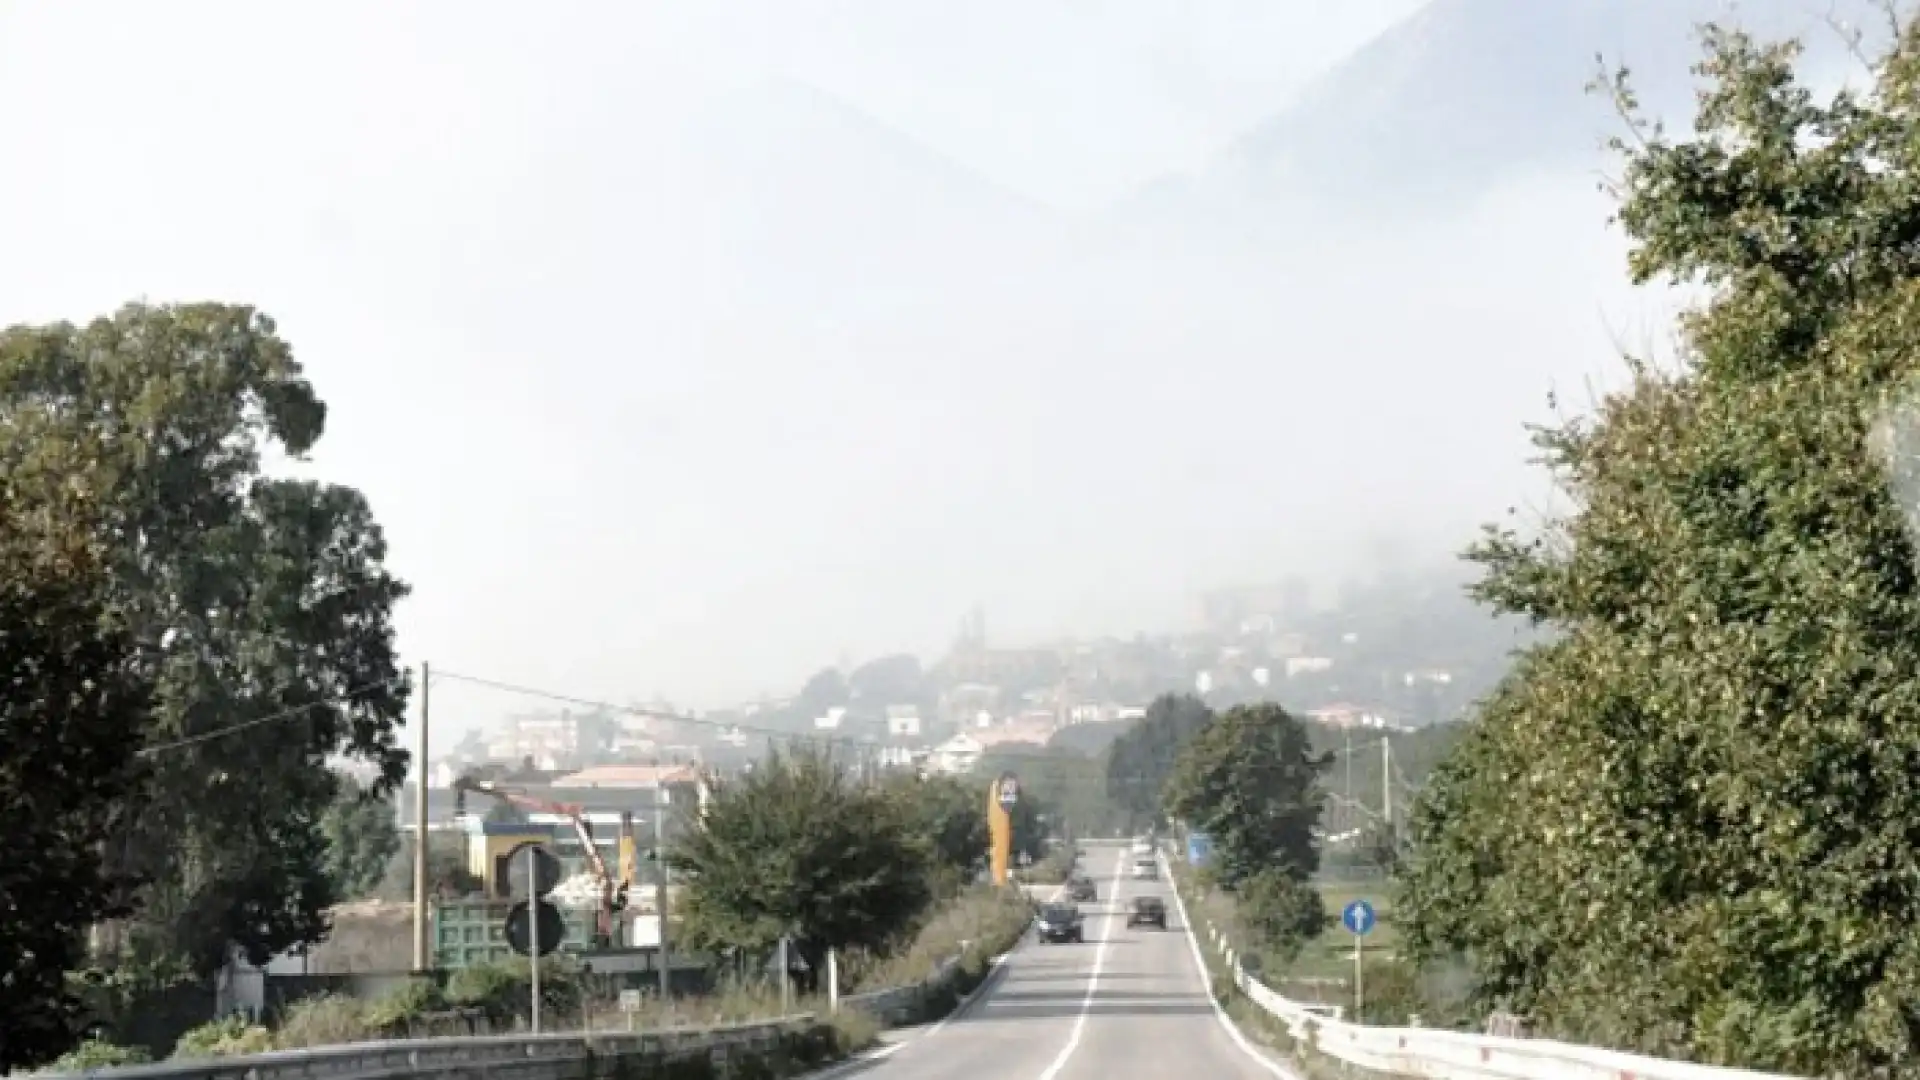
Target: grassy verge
[[1211, 907], [1052, 870]]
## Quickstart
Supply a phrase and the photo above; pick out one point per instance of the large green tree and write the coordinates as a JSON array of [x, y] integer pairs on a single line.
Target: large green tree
[[1251, 781], [363, 836], [796, 848], [1140, 760], [1691, 824], [263, 604], [74, 698], [951, 818]]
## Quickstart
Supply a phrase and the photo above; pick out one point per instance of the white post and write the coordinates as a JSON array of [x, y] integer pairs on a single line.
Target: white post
[[533, 931], [833, 980], [786, 977]]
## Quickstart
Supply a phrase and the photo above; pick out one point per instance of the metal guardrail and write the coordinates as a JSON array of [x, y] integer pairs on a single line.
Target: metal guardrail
[[1452, 1055]]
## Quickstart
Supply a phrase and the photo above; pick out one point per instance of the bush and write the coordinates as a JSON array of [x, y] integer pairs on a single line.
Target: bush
[[328, 1020], [1276, 914], [398, 1012], [975, 926], [503, 993], [1054, 869], [96, 1054], [228, 1037]]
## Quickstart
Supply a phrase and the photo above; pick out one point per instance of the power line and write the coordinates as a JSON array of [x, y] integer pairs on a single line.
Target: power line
[[297, 712], [634, 710]]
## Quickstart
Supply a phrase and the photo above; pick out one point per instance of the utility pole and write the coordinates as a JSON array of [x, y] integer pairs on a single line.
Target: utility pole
[[422, 954], [663, 799], [1386, 782], [1348, 805]]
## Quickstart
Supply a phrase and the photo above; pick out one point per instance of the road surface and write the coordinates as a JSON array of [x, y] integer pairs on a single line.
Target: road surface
[[1127, 1004]]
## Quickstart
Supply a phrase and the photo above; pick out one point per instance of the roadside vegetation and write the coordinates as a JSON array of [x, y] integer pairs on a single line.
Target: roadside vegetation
[[1686, 825]]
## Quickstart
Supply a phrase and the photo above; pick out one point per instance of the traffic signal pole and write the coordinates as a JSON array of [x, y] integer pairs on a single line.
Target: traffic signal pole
[[533, 932]]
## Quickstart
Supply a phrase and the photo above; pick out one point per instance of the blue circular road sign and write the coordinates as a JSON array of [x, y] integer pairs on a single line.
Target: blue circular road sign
[[1358, 917]]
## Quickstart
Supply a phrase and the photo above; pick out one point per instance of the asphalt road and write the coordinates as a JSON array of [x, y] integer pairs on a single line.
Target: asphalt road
[[1126, 1004]]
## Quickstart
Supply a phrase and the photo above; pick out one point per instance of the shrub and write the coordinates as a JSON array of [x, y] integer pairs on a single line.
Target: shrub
[[96, 1054], [328, 1020], [227, 1037], [398, 1012]]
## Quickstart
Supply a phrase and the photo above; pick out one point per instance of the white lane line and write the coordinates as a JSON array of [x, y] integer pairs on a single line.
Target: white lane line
[[1206, 984], [1093, 982]]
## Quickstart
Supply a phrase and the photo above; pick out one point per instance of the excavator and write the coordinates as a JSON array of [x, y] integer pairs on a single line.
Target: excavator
[[613, 893]]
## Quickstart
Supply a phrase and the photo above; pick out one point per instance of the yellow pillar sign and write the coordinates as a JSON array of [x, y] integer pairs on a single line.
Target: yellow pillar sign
[[1002, 794]]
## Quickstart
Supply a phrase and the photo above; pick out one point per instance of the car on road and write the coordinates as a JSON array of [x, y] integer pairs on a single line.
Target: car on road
[[1082, 891], [1146, 868], [1059, 922], [1147, 911], [1143, 845]]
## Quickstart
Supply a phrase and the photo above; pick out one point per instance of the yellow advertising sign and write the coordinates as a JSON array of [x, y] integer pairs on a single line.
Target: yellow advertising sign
[[1002, 794]]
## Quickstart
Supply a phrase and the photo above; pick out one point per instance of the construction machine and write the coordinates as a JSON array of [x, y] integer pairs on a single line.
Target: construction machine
[[613, 892]]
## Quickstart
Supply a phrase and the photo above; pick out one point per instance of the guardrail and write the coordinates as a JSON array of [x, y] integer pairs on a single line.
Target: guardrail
[[1451, 1055]]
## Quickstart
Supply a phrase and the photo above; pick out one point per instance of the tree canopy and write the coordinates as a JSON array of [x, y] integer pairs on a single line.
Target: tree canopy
[[796, 848], [1691, 823], [72, 714], [1141, 760], [363, 836], [261, 603], [1251, 781]]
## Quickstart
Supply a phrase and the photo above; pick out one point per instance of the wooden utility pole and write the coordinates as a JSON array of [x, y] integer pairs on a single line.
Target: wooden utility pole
[[422, 953]]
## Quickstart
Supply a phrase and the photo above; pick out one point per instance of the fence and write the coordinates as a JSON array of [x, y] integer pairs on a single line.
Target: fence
[[1449, 1055]]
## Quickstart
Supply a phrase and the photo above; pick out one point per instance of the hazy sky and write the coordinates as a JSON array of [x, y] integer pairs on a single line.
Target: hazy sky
[[667, 371]]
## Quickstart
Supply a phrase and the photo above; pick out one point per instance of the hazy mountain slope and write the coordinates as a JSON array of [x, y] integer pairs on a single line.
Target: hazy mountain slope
[[1466, 93]]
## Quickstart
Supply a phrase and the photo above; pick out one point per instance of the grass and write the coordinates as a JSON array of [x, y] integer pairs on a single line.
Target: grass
[[1330, 956]]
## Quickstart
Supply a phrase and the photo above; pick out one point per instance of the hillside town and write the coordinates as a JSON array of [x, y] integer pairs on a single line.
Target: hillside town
[[1397, 655]]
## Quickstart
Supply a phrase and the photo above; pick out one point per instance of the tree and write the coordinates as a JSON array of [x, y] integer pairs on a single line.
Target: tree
[[794, 848], [363, 837], [1691, 823], [1141, 760], [1251, 781], [1067, 785], [950, 816], [1278, 913], [263, 604], [71, 719]]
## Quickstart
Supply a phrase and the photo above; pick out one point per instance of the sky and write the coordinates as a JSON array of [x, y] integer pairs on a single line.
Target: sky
[[685, 349]]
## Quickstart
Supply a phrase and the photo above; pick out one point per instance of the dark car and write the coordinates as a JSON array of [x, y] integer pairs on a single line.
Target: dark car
[[1059, 922], [1147, 911], [1081, 890]]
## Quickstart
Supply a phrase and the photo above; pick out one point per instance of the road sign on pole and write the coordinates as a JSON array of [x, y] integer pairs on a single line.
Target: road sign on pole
[[1199, 848], [1359, 918], [1009, 792]]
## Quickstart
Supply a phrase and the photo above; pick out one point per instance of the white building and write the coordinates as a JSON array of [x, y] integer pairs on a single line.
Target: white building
[[903, 721], [957, 755]]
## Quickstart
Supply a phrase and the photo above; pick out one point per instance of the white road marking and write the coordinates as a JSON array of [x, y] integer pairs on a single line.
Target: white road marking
[[1206, 985], [1093, 982]]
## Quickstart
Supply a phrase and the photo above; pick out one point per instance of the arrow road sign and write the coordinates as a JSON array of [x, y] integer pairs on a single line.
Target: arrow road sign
[[1358, 917]]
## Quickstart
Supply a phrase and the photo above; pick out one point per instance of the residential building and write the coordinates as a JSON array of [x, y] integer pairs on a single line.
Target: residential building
[[903, 721]]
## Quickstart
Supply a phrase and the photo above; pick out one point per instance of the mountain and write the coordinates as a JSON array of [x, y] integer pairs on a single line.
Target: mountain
[[1464, 94]]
